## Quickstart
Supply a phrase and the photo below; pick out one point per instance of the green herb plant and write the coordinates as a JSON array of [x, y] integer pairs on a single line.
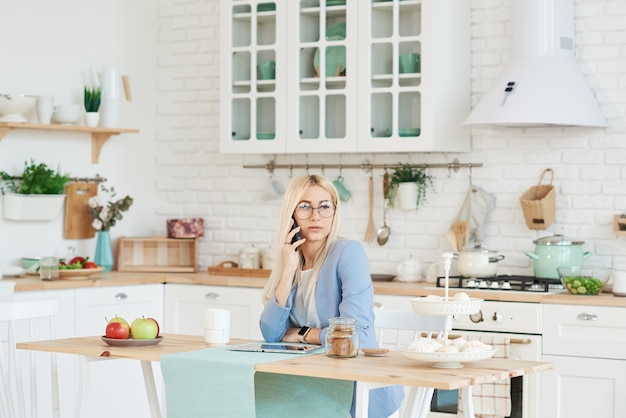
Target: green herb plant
[[92, 98], [405, 173], [36, 179]]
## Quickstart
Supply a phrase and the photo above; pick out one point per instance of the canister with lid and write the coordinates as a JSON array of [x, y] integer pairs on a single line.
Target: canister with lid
[[249, 257]]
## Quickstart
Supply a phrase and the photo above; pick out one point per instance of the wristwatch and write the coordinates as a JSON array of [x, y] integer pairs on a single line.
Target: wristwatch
[[303, 332]]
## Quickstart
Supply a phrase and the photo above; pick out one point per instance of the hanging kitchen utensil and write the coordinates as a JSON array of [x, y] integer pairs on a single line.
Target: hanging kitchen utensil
[[384, 232], [77, 217], [370, 232]]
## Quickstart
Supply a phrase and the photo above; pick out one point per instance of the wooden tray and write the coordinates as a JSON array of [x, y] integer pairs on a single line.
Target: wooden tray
[[230, 268]]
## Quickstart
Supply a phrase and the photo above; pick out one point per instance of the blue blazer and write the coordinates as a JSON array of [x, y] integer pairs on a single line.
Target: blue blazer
[[344, 288]]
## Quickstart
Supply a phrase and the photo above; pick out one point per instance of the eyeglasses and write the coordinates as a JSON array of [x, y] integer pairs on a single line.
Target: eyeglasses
[[304, 210]]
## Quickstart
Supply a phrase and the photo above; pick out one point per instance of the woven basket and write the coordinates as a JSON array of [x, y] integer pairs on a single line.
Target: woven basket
[[538, 203]]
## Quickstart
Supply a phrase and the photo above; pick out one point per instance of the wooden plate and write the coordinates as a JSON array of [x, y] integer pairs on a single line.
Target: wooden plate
[[130, 342], [79, 274]]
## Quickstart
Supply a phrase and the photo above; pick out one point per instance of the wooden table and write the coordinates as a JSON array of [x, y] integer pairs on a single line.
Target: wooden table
[[94, 348], [394, 369], [368, 372]]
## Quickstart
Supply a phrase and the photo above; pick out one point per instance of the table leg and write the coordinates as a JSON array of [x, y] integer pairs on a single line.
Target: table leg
[[82, 377], [153, 399], [468, 404], [362, 399]]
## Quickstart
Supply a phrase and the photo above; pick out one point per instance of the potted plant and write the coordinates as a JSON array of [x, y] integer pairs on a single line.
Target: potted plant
[[409, 184], [37, 195], [92, 99]]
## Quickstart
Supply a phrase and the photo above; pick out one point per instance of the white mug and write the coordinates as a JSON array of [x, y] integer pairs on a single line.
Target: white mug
[[619, 283], [45, 106]]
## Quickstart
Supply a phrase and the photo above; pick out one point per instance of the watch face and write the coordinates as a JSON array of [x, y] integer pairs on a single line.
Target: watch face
[[303, 330]]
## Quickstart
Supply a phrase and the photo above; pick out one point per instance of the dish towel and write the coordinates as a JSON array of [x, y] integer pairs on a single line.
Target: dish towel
[[492, 400], [222, 383], [476, 209]]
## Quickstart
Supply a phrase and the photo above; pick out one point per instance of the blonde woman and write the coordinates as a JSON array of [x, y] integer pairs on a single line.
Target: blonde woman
[[318, 276]]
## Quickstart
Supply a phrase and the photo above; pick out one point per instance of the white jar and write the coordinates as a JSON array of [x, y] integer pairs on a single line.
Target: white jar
[[249, 257], [267, 258]]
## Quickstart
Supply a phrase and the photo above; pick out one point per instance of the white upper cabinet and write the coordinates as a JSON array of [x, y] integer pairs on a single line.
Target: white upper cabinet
[[339, 85]]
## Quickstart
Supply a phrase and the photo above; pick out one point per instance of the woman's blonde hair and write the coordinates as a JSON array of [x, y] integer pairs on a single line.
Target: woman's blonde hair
[[293, 196]]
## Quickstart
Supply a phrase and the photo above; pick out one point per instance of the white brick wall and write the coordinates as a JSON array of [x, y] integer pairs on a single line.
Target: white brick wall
[[195, 180]]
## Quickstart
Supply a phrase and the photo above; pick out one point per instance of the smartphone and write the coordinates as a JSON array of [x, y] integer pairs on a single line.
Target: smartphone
[[297, 236]]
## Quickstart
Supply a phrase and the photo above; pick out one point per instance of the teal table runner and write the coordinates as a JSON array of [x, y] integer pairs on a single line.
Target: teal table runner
[[222, 383]]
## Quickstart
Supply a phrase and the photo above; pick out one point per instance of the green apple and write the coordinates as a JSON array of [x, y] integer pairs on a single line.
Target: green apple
[[144, 329], [118, 319]]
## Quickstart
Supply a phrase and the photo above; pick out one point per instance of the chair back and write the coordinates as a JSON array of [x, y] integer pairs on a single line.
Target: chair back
[[395, 328], [17, 324]]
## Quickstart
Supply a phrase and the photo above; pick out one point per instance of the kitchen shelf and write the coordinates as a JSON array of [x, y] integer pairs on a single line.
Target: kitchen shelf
[[619, 220], [98, 135]]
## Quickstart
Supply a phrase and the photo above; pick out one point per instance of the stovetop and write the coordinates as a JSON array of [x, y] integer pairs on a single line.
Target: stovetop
[[506, 283]]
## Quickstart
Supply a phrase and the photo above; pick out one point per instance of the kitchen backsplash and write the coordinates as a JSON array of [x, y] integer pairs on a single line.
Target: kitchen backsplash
[[180, 173]]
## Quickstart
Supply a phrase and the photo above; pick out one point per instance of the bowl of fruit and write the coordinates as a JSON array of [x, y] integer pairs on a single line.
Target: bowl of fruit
[[580, 280]]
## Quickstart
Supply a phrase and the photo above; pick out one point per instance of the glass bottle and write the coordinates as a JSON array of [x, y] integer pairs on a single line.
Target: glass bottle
[[342, 339]]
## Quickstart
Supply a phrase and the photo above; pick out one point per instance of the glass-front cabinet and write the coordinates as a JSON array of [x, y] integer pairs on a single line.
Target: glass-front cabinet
[[320, 76]]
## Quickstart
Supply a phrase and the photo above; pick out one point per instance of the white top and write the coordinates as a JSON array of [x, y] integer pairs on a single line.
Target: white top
[[300, 315]]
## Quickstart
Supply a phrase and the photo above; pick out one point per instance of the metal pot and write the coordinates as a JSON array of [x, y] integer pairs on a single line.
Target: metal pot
[[477, 262], [556, 251]]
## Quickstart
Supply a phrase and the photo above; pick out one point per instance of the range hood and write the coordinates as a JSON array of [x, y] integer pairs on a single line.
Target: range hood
[[542, 85]]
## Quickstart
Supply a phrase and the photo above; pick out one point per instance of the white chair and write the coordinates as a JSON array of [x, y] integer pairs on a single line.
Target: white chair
[[17, 325], [395, 328]]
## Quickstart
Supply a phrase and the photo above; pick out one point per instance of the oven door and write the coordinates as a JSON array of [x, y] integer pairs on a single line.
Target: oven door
[[525, 390]]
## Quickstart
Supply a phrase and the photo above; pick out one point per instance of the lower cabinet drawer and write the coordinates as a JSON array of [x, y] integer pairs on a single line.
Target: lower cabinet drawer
[[584, 331]]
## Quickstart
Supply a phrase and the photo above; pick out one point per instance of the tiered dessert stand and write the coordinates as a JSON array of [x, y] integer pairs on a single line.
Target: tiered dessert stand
[[446, 307]]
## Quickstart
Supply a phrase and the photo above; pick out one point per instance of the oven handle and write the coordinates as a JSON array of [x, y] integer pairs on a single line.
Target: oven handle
[[521, 341]]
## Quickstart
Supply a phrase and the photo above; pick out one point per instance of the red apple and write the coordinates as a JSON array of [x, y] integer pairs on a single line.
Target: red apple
[[117, 330], [144, 329]]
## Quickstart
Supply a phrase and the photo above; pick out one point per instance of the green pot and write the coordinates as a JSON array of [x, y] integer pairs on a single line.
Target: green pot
[[556, 251]]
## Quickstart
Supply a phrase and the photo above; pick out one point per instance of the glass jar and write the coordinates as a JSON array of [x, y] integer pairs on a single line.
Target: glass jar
[[342, 339]]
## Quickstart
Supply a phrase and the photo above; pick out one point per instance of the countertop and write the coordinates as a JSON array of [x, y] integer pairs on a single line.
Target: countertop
[[29, 283]]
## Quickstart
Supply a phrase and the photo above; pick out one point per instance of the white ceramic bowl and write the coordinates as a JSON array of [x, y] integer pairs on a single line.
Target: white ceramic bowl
[[67, 114], [15, 107]]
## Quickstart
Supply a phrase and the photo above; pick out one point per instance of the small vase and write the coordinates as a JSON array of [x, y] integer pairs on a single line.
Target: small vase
[[104, 251]]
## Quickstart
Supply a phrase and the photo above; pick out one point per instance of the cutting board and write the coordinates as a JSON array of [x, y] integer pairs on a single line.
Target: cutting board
[[77, 218]]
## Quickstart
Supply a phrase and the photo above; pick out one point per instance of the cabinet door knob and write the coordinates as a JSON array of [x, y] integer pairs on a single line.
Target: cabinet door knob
[[212, 295], [588, 316], [121, 296]]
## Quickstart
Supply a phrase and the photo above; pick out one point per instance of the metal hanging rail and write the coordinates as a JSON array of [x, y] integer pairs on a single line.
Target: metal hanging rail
[[96, 179], [366, 166]]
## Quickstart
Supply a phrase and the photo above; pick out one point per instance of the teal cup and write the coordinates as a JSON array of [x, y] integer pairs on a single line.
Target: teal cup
[[409, 63], [344, 194], [267, 69]]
